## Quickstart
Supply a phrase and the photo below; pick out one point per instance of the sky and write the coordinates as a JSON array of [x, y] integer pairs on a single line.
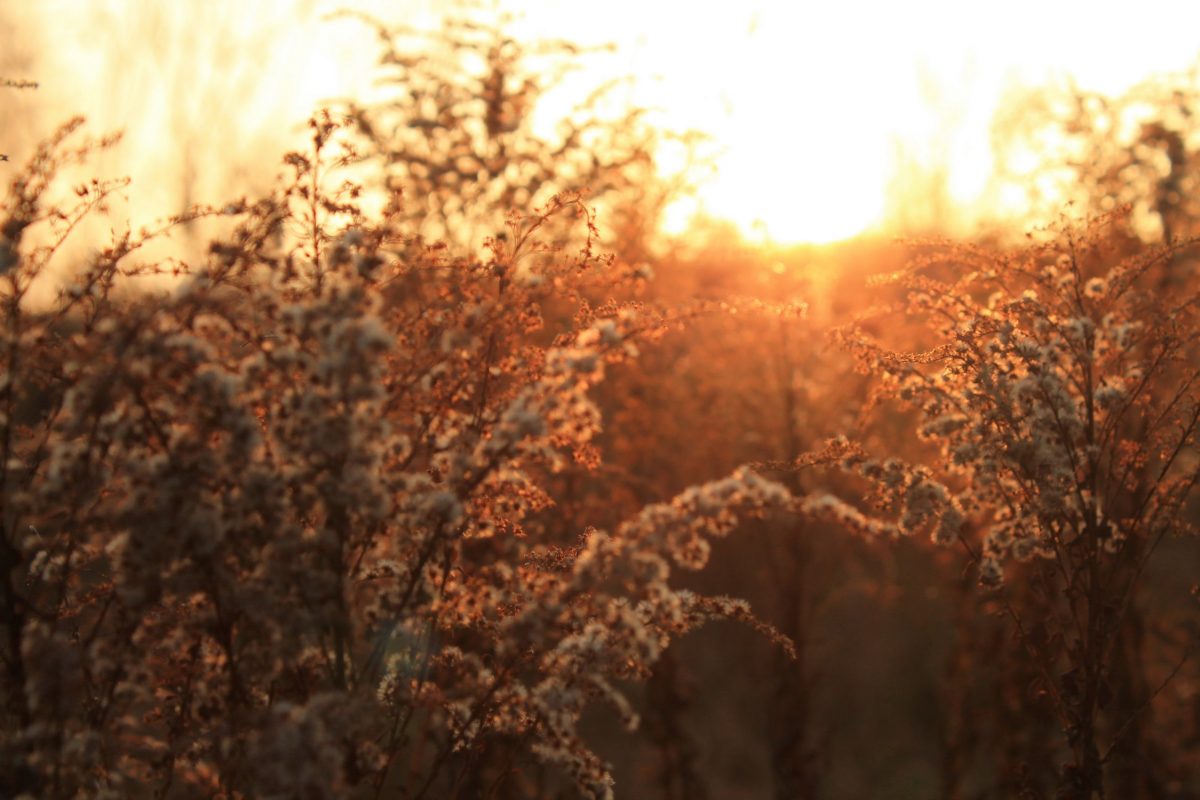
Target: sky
[[808, 104]]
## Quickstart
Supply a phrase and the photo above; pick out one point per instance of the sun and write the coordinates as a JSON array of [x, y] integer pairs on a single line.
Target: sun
[[802, 124], [838, 118], [790, 185]]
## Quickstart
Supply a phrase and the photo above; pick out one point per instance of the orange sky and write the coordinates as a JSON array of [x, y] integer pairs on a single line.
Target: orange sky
[[807, 103]]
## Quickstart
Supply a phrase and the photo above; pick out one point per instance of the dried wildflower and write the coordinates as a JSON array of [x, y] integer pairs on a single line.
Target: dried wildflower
[[1045, 421], [265, 523]]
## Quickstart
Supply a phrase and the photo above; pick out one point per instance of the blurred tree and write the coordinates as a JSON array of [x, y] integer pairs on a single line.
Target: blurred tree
[[458, 133], [1067, 145]]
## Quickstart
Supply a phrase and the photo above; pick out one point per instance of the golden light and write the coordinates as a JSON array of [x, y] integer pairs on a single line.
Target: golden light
[[820, 114], [824, 113]]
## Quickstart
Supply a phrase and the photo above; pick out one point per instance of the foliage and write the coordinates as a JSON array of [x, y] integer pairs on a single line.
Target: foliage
[[1067, 145], [285, 530], [456, 130], [366, 502], [1061, 400]]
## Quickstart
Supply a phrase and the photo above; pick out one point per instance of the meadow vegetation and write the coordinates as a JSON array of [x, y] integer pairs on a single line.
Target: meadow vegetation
[[438, 473]]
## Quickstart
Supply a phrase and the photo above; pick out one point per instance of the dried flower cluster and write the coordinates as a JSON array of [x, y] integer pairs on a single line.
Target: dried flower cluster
[[410, 483], [287, 529], [1061, 397]]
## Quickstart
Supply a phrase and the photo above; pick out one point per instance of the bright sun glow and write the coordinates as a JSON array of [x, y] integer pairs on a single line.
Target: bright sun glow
[[812, 109], [812, 105]]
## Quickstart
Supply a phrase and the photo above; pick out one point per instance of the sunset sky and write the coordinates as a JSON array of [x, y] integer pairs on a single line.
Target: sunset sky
[[808, 103]]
